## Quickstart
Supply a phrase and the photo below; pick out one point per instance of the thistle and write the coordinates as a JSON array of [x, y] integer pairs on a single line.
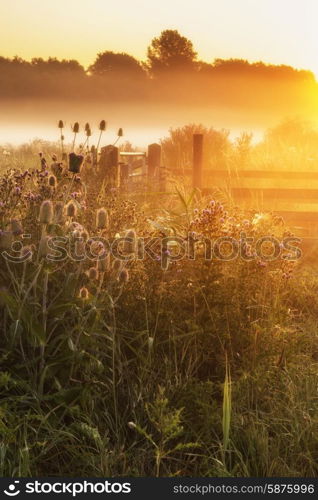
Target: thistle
[[46, 212], [101, 219], [58, 212], [130, 242], [71, 209], [52, 181]]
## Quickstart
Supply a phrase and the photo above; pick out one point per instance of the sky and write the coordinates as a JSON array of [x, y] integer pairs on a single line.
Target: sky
[[274, 31]]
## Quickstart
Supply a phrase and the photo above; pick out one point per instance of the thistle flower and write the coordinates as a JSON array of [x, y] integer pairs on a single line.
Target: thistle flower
[[6, 240], [83, 293], [46, 212], [52, 181], [130, 242], [16, 227], [92, 273], [75, 162], [58, 212], [71, 209], [123, 276], [101, 219]]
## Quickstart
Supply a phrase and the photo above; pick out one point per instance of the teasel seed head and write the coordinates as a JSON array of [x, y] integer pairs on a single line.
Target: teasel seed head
[[16, 227], [46, 212], [59, 212], [101, 218], [92, 273], [76, 128], [71, 209], [61, 124], [75, 163], [6, 240], [120, 132], [87, 126], [83, 293], [130, 243], [123, 276], [102, 125], [52, 181]]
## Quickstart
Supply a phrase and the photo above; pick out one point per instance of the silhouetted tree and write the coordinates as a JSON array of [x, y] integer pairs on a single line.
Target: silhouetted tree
[[170, 51], [108, 63]]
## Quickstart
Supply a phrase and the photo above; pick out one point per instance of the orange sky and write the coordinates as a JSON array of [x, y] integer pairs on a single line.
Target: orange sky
[[278, 31]]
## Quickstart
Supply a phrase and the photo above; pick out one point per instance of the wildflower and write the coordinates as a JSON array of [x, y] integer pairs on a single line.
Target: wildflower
[[46, 212], [101, 219], [123, 276], [71, 209], [83, 293], [52, 181], [75, 162]]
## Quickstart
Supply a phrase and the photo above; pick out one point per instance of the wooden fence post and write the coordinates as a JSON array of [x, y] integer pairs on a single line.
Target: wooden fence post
[[108, 164], [197, 161], [154, 160]]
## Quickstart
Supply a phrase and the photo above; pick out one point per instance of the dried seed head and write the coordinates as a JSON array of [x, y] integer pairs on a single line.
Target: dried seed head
[[71, 209], [130, 242], [102, 125], [6, 240], [92, 273], [58, 212], [52, 181], [120, 132], [76, 128], [16, 227], [117, 265], [44, 249], [101, 219], [103, 264], [75, 163], [61, 124], [123, 276], [88, 132], [83, 293], [87, 127], [46, 212]]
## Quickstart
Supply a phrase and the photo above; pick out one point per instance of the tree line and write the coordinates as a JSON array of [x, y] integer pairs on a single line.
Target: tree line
[[169, 56]]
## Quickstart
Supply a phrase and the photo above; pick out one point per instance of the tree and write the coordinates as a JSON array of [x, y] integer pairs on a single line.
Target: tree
[[108, 63], [171, 51]]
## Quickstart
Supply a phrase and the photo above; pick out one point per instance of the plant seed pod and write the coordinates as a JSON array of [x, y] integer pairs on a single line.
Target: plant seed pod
[[102, 126], [44, 249], [130, 243], [88, 132], [61, 124], [75, 163], [46, 212], [52, 181], [58, 212], [87, 127], [123, 276], [6, 240], [71, 209], [101, 218], [83, 293], [16, 227], [120, 132], [103, 264], [76, 128], [92, 273]]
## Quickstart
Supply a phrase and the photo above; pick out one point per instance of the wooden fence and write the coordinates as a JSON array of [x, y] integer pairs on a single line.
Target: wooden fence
[[292, 194]]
